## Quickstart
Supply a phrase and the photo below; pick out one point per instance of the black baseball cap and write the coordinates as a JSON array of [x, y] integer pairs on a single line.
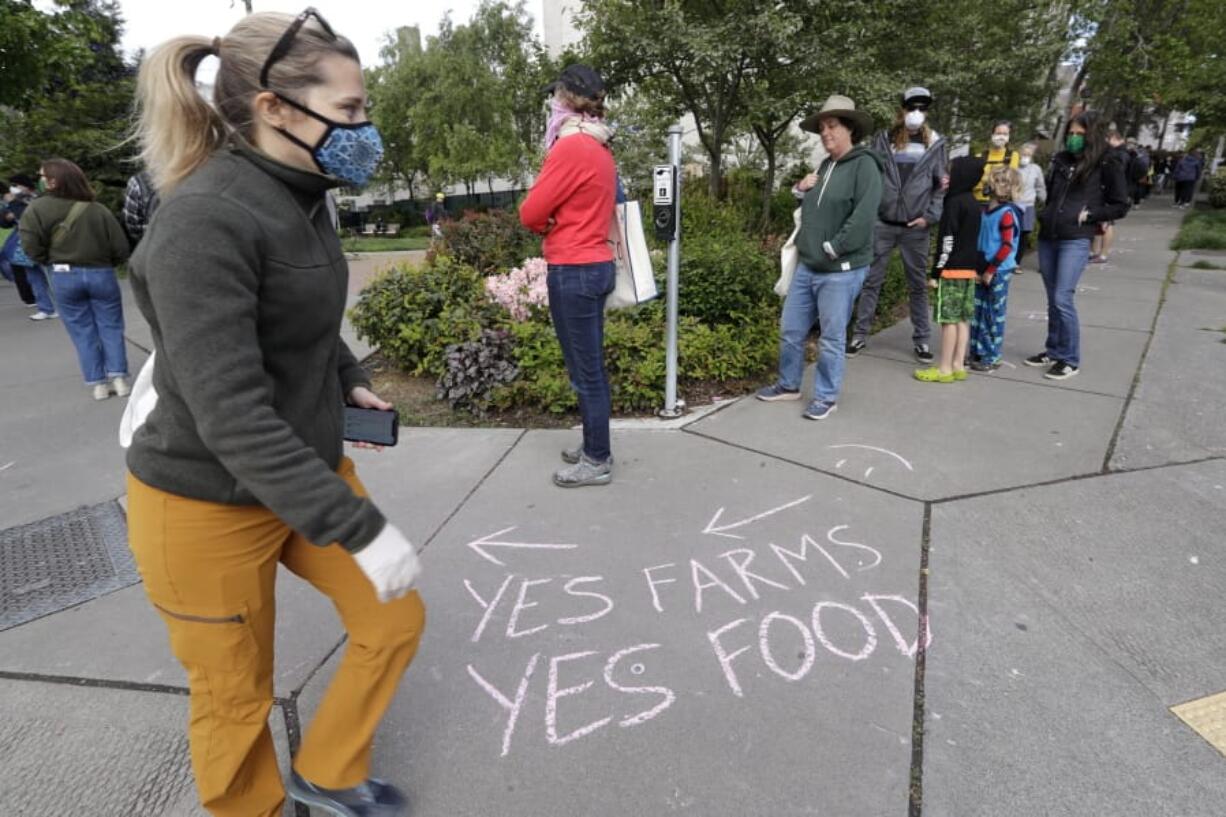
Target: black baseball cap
[[578, 79]]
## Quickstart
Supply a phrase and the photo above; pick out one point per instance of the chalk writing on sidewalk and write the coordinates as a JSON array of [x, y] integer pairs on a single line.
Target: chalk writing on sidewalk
[[763, 612]]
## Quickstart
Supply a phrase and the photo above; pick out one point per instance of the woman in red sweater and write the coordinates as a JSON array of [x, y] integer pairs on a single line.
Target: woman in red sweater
[[572, 205]]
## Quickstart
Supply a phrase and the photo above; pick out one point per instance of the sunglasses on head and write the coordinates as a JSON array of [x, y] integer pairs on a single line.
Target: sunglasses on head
[[287, 41]]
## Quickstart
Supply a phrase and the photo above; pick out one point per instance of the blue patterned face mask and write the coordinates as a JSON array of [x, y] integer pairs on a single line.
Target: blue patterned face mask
[[348, 152]]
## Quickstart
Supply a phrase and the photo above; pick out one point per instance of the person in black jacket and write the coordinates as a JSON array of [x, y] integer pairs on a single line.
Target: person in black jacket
[[953, 273], [1086, 186]]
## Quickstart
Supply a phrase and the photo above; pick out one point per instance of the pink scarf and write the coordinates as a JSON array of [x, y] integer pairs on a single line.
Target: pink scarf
[[559, 114]]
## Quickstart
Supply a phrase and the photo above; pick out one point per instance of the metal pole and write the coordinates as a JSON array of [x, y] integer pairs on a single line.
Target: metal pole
[[672, 406]]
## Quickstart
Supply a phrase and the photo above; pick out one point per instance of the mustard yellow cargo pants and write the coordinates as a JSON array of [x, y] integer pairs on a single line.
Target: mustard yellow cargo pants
[[210, 571]]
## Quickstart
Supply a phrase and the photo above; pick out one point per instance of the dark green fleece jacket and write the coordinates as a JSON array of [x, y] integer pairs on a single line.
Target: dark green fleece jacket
[[841, 209], [243, 281], [94, 240]]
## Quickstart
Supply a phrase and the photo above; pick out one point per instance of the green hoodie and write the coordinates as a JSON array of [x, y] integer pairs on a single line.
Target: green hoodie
[[842, 209]]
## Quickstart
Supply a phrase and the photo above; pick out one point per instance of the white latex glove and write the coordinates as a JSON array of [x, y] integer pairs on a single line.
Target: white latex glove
[[390, 562]]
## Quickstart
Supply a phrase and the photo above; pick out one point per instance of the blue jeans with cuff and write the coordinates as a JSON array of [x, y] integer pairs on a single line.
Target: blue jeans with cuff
[[577, 294], [824, 296], [1061, 264], [91, 309]]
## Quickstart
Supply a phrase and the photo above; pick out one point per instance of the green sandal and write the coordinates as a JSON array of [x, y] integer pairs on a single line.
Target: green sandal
[[933, 375]]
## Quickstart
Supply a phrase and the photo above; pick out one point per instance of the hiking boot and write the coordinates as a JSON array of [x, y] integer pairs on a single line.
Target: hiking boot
[[585, 472], [984, 366], [1061, 371], [101, 392], [1041, 359], [923, 354], [855, 346], [820, 410], [775, 392], [374, 798], [933, 375]]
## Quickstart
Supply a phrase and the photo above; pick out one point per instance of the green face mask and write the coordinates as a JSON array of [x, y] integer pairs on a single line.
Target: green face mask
[[42, 185], [1075, 143]]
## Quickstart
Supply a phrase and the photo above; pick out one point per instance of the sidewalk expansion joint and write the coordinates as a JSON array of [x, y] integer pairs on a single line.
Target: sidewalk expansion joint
[[1136, 378], [803, 465], [957, 497], [459, 507], [1076, 478], [916, 802]]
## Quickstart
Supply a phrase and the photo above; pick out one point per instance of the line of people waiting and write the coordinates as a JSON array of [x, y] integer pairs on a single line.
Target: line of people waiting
[[862, 203]]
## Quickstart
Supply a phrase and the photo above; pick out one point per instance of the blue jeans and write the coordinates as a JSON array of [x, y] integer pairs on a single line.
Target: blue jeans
[[577, 294], [1061, 264], [37, 280], [91, 308], [827, 296]]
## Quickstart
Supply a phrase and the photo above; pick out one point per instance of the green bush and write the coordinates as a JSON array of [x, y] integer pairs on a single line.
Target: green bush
[[726, 277], [491, 242], [1202, 230], [1217, 188], [634, 357], [413, 313]]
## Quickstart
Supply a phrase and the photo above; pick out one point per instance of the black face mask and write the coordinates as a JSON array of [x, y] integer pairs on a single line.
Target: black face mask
[[348, 152]]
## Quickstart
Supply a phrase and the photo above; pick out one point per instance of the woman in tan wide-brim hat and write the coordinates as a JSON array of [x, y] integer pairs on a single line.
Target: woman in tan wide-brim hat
[[835, 245]]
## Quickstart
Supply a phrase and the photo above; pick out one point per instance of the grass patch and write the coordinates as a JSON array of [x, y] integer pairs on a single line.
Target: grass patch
[[1203, 264], [383, 244], [1202, 230]]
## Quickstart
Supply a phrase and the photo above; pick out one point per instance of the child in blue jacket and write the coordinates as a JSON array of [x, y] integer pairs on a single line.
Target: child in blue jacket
[[1000, 233]]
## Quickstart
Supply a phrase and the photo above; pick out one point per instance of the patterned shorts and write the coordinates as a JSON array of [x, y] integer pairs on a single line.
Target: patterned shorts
[[955, 301]]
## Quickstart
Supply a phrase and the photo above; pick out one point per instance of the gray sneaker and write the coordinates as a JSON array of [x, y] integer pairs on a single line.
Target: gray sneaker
[[572, 455], [585, 472], [373, 798]]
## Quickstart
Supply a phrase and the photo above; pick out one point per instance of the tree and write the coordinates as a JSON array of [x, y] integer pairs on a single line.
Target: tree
[[467, 106], [685, 53], [76, 99]]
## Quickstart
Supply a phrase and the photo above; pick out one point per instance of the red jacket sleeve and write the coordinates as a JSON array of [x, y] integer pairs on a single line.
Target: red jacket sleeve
[[1008, 239], [560, 176]]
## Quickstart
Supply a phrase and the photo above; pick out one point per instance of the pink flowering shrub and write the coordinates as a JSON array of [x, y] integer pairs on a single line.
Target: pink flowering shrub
[[521, 289]]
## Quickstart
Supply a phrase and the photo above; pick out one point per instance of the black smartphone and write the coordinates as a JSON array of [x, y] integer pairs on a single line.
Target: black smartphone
[[363, 425]]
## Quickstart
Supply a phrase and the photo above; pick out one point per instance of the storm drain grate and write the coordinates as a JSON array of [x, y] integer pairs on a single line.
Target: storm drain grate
[[58, 562]]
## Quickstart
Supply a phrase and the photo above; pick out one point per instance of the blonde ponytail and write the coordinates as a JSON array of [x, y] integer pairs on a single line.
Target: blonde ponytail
[[178, 128]]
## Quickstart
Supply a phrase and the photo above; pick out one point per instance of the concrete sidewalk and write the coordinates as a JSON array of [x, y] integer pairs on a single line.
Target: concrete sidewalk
[[972, 599]]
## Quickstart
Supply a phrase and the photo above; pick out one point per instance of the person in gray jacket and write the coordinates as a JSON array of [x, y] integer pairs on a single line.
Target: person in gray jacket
[[240, 467], [911, 202]]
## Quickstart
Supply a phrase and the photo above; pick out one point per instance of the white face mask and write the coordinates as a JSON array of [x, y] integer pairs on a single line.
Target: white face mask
[[1025, 160], [914, 120], [16, 191], [1000, 139]]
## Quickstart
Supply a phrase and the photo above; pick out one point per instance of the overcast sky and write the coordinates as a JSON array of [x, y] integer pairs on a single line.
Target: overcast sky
[[150, 22]]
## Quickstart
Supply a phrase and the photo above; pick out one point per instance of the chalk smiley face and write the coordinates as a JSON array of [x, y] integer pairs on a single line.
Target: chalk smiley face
[[888, 457]]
